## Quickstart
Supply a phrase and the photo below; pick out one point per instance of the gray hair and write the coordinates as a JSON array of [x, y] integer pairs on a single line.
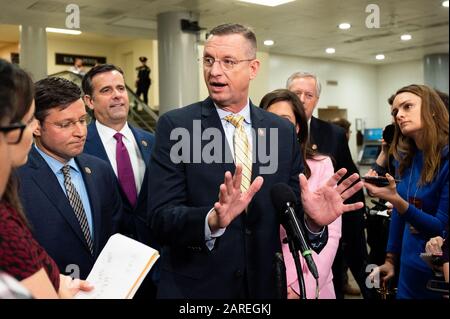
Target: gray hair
[[301, 75]]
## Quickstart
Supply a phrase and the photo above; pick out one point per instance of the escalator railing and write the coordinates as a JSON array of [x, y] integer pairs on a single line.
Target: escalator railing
[[140, 114]]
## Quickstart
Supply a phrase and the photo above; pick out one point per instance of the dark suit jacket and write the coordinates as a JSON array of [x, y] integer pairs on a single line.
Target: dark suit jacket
[[331, 140], [242, 260], [136, 224], [53, 221]]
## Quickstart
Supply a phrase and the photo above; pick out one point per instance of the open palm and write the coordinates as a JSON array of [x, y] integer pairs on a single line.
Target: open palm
[[326, 204]]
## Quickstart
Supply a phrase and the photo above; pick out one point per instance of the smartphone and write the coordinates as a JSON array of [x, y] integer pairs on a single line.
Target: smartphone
[[379, 181]]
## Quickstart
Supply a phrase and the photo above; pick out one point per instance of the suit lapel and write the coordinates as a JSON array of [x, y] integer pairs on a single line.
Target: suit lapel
[[89, 173], [259, 130], [210, 119], [314, 134], [94, 143], [47, 182], [143, 144]]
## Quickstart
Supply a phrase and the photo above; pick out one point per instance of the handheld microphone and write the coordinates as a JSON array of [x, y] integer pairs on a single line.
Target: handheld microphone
[[283, 199]]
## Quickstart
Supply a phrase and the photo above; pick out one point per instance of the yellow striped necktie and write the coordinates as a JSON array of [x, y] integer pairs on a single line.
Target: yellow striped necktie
[[242, 150]]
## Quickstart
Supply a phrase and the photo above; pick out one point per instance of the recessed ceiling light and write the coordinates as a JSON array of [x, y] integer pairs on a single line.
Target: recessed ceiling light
[[345, 26], [330, 50], [445, 3], [269, 42], [269, 3], [380, 57], [65, 31], [406, 37]]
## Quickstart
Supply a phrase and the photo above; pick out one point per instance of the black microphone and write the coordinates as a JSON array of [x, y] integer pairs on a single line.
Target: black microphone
[[283, 199]]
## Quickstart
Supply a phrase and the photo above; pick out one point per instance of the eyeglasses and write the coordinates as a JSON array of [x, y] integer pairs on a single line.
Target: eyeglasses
[[70, 125], [227, 63], [13, 132]]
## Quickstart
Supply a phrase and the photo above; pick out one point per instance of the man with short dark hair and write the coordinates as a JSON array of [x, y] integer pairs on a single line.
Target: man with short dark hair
[[70, 198], [219, 232], [126, 148]]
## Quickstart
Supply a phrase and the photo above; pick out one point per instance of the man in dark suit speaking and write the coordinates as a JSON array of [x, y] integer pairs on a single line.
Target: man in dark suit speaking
[[331, 140], [219, 231], [71, 199]]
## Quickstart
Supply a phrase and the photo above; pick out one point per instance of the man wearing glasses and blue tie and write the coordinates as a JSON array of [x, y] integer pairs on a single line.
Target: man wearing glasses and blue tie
[[71, 199]]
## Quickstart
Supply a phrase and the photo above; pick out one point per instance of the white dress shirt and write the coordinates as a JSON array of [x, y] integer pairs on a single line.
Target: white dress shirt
[[109, 142]]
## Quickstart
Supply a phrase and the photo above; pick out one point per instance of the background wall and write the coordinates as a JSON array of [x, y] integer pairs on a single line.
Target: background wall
[[356, 90], [392, 77], [362, 89]]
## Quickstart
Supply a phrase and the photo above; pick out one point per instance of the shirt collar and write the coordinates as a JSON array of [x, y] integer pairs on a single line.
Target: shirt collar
[[245, 112], [108, 132], [54, 164]]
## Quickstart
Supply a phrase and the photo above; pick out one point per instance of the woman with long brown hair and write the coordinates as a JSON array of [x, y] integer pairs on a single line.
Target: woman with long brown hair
[[420, 200]]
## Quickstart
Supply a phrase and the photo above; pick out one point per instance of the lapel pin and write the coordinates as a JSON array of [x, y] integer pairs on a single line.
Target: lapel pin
[[87, 170], [261, 132], [144, 143]]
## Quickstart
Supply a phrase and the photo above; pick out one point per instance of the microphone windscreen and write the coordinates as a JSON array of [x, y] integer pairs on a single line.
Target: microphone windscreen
[[281, 193]]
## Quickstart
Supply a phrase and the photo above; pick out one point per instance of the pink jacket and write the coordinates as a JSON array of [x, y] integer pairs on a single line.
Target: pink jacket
[[321, 171]]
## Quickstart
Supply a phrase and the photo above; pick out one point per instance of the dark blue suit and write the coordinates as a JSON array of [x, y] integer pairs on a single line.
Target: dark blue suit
[[52, 219], [136, 218], [242, 260]]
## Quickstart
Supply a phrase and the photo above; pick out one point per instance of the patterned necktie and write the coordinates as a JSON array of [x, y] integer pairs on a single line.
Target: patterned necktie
[[242, 150], [77, 205], [125, 170]]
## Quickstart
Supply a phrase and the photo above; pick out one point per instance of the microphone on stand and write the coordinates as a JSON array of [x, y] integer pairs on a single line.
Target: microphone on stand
[[284, 199]]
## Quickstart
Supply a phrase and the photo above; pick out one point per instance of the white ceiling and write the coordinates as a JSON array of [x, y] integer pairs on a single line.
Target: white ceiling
[[301, 28]]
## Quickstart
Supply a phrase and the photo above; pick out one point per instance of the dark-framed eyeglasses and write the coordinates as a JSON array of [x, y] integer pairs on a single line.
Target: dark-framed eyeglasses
[[13, 132]]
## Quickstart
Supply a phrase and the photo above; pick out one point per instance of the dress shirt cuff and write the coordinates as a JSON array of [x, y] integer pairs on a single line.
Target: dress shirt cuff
[[210, 238]]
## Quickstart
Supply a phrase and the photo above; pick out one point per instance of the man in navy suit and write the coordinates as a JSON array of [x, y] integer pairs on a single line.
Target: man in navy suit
[[219, 231], [70, 198], [331, 140], [106, 95]]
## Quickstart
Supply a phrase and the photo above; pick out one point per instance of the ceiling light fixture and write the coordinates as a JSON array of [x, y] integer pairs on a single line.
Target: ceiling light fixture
[[269, 3], [380, 57], [269, 42], [64, 31], [345, 26], [406, 37], [330, 50], [445, 3]]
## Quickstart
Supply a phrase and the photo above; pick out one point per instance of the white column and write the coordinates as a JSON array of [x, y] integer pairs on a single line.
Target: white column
[[178, 65], [33, 50]]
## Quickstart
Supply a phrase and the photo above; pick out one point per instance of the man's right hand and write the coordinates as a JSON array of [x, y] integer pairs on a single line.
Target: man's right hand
[[232, 202]]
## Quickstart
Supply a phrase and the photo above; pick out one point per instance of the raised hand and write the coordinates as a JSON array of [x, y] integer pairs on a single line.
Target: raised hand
[[326, 204], [232, 202]]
